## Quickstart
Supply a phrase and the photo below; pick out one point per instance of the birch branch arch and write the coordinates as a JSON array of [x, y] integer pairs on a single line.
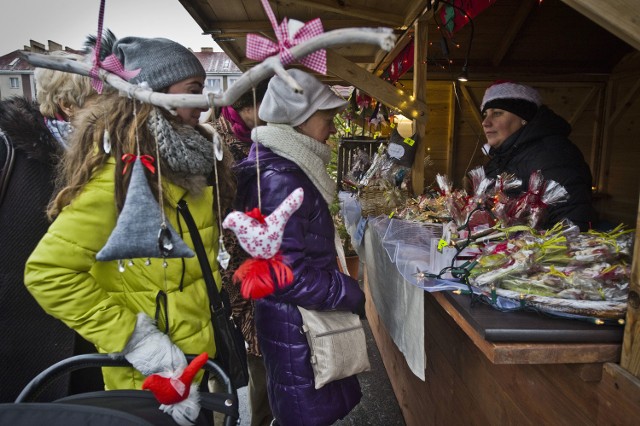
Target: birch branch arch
[[382, 37]]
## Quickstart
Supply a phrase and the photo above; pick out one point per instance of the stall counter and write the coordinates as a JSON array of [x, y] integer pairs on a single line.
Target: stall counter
[[467, 379]]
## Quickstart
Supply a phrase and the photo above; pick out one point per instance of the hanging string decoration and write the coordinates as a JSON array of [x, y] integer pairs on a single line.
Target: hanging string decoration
[[111, 63], [289, 33], [261, 237], [223, 257], [142, 230]]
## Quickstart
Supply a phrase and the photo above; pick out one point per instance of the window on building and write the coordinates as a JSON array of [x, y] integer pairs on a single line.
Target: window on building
[[214, 84], [14, 82], [231, 80]]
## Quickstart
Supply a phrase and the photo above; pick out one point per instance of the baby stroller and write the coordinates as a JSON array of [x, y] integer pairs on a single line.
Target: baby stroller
[[110, 408]]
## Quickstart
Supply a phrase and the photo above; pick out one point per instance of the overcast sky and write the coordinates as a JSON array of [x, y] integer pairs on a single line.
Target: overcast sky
[[68, 22]]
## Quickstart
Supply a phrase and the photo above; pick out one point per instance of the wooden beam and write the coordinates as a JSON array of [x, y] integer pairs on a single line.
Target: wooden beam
[[514, 28], [475, 111], [391, 55], [623, 106], [221, 27], [402, 42], [583, 105], [597, 138], [416, 10], [451, 140], [381, 16], [631, 343], [375, 87], [618, 396], [420, 94], [620, 17]]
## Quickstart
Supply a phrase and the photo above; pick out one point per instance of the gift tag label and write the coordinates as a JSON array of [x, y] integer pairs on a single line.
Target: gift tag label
[[359, 235], [395, 151], [442, 244]]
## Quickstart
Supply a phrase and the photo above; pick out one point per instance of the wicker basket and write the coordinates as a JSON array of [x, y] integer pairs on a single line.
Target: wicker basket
[[376, 200]]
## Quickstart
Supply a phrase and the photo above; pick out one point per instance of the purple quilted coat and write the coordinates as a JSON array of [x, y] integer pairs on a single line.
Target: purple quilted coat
[[308, 248]]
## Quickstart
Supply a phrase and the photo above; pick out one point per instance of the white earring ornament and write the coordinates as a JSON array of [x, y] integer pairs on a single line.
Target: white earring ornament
[[524, 122]]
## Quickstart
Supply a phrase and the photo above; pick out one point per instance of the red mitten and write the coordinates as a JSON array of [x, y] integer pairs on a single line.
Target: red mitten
[[171, 390]]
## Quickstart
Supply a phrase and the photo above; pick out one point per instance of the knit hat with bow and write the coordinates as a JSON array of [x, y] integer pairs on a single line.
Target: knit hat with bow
[[162, 62], [518, 99]]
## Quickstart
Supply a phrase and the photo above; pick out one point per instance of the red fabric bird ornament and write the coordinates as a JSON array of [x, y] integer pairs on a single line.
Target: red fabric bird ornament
[[261, 237], [171, 390]]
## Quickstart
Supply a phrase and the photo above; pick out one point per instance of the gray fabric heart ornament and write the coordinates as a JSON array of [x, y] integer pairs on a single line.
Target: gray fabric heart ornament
[[139, 232]]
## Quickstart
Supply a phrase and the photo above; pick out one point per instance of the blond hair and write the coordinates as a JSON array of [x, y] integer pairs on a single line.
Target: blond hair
[[59, 87]]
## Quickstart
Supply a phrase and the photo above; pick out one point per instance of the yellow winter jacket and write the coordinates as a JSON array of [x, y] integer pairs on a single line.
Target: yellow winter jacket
[[101, 303]]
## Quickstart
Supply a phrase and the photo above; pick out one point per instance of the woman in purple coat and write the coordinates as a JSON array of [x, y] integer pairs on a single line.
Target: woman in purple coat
[[292, 153]]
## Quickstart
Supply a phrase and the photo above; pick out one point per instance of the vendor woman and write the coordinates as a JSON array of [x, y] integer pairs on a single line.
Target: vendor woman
[[523, 136]]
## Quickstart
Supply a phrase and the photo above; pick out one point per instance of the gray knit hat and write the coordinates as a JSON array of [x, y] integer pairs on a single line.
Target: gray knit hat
[[518, 99], [282, 105], [162, 62]]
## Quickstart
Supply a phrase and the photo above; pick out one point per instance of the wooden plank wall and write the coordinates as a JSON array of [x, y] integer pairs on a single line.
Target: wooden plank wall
[[620, 154]]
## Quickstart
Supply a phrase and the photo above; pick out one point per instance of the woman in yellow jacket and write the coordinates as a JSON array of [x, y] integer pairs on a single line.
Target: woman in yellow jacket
[[152, 311]]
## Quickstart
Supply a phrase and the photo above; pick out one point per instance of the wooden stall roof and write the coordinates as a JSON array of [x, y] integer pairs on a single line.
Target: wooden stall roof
[[510, 37]]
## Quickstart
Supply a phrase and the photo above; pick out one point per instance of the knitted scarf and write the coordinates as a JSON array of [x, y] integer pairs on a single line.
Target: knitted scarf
[[238, 125], [186, 151], [309, 154]]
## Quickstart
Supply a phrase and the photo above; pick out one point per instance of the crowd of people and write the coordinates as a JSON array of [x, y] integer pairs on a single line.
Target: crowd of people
[[64, 188], [67, 192]]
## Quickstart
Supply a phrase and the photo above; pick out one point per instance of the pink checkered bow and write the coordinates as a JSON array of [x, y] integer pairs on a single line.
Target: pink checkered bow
[[260, 48], [110, 63], [114, 66]]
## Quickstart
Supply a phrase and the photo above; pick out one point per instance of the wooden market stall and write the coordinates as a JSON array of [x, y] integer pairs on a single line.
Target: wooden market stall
[[584, 58]]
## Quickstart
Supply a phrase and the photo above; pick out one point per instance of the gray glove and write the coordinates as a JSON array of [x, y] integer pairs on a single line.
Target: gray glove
[[151, 351]]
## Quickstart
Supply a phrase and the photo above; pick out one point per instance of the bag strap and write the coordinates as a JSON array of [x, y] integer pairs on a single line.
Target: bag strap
[[214, 297], [7, 157]]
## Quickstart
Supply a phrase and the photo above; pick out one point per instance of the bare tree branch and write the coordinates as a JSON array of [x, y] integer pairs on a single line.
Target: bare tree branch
[[383, 37]]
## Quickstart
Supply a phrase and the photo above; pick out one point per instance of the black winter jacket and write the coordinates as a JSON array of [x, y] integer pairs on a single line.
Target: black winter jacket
[[30, 340], [543, 144]]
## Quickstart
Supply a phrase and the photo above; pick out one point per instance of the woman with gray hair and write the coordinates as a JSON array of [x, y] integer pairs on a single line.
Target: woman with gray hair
[[291, 153]]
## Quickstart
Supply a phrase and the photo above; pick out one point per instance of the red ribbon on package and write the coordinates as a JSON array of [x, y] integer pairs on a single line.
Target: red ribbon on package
[[260, 48], [146, 160]]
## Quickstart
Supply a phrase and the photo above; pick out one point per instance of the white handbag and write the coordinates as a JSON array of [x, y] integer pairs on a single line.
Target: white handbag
[[337, 342]]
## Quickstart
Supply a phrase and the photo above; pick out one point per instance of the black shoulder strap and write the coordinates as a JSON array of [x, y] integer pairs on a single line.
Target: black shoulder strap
[[214, 296], [7, 156]]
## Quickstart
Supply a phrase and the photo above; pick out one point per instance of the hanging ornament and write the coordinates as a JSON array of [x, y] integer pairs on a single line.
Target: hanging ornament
[[261, 237], [106, 141], [141, 216], [217, 146], [223, 255]]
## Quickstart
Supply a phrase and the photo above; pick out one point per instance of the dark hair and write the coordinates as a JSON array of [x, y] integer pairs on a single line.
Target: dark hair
[[246, 100]]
